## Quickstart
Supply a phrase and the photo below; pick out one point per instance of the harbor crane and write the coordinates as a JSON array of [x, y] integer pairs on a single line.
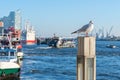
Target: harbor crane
[[108, 33]]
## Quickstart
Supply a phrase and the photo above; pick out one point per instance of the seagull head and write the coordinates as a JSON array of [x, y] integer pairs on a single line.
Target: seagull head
[[91, 22]]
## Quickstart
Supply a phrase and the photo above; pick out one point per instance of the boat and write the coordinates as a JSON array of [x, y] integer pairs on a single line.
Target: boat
[[52, 42], [59, 42], [111, 46], [66, 43], [9, 63], [28, 35], [10, 54]]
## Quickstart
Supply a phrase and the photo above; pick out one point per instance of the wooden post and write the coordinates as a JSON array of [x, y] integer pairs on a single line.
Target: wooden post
[[86, 59]]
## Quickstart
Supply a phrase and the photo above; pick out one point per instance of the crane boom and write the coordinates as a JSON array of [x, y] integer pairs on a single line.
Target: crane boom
[[110, 30]]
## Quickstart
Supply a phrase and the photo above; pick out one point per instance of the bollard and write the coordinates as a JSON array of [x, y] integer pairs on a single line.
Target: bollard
[[86, 59]]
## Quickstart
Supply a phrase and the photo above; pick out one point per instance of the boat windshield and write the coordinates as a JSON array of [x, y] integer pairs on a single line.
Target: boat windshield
[[7, 54]]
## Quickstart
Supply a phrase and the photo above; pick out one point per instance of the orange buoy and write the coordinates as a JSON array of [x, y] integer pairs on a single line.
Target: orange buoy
[[19, 46]]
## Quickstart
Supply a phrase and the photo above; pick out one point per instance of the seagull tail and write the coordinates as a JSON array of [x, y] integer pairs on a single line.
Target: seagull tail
[[74, 32]]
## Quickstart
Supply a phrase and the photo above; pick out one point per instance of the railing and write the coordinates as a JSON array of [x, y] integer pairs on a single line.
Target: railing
[[7, 54]]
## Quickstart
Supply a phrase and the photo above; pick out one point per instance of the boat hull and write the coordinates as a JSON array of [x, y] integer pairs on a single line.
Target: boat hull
[[10, 74], [7, 68], [4, 72], [29, 42]]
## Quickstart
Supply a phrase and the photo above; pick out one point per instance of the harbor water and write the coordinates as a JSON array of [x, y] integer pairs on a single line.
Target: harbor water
[[45, 63]]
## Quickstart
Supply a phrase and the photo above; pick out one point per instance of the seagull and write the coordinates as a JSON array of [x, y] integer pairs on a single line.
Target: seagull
[[86, 28]]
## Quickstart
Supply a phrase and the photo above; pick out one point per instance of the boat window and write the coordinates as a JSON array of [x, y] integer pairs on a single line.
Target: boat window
[[3, 54], [11, 53]]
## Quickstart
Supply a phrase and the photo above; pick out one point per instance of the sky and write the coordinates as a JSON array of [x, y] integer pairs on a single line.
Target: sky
[[65, 16]]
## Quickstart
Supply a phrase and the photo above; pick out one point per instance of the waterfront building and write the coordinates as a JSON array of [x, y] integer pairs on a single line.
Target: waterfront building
[[17, 19], [12, 20]]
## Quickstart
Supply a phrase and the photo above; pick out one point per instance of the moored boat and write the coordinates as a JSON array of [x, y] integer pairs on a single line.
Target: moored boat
[[10, 54], [9, 63]]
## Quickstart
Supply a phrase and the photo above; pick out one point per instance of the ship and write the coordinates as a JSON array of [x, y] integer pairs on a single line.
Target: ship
[[10, 53], [28, 35]]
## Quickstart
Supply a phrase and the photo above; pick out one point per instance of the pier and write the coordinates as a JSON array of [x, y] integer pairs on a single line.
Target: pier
[[86, 59]]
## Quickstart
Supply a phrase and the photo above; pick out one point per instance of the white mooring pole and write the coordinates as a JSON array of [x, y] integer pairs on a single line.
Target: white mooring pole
[[86, 58]]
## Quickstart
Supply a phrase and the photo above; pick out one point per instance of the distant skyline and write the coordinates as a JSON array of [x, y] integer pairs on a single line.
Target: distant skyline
[[65, 16]]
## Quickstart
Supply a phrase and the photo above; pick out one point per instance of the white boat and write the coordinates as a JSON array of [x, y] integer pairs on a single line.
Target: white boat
[[66, 42], [9, 63], [29, 35], [59, 42], [10, 54]]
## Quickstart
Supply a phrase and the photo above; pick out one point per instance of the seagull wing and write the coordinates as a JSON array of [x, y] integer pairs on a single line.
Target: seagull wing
[[74, 32], [82, 29]]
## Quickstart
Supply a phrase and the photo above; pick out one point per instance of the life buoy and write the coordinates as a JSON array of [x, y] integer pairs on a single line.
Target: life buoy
[[19, 46]]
